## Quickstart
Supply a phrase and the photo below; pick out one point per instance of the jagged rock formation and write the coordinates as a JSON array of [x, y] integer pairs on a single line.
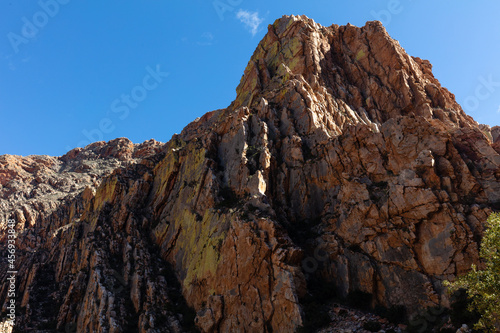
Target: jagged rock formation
[[342, 160]]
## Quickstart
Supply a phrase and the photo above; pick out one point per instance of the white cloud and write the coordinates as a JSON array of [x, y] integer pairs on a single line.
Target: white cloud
[[207, 38], [251, 20], [207, 35], [12, 67]]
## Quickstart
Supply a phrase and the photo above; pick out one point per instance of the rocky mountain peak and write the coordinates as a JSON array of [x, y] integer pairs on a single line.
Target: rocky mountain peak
[[350, 74]]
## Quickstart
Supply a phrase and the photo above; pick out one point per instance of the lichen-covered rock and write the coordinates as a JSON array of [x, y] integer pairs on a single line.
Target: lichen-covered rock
[[342, 160]]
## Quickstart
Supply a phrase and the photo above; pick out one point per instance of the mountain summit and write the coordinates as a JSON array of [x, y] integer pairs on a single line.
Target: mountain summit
[[343, 170]]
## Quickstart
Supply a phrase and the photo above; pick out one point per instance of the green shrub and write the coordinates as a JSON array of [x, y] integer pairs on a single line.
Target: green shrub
[[483, 286], [460, 312]]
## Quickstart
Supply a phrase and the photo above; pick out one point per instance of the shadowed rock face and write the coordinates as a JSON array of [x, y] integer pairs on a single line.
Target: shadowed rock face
[[342, 160]]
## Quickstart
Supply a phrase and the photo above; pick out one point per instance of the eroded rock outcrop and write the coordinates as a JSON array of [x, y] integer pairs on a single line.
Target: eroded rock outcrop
[[342, 160]]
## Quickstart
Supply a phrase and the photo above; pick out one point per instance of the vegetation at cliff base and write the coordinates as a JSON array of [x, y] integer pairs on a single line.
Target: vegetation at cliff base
[[483, 285]]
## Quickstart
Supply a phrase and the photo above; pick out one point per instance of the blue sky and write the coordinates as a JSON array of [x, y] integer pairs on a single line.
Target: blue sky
[[67, 66]]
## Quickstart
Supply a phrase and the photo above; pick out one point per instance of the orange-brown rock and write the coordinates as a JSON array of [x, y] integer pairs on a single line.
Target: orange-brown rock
[[341, 161]]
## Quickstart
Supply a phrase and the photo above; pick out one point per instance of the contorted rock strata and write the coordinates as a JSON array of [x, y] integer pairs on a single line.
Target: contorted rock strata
[[342, 160]]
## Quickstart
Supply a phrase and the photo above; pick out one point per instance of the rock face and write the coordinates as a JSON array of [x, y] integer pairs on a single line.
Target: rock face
[[342, 160]]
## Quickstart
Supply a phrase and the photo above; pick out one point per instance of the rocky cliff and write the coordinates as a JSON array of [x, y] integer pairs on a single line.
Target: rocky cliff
[[342, 163]]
